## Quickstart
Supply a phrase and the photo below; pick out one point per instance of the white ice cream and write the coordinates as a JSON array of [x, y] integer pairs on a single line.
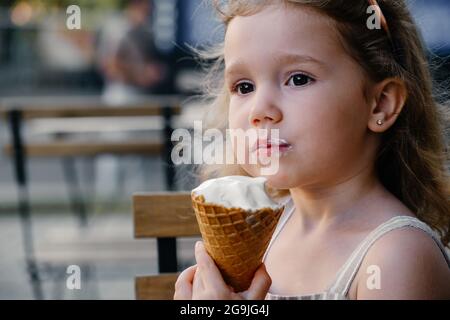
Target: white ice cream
[[243, 192]]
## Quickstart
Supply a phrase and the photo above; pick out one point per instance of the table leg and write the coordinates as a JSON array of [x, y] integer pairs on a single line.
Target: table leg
[[76, 195], [15, 121]]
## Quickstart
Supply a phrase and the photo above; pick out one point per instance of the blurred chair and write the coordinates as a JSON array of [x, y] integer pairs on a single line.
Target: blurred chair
[[164, 216]]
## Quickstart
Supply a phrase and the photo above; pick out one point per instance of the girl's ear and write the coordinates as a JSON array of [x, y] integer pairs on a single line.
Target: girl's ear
[[387, 102]]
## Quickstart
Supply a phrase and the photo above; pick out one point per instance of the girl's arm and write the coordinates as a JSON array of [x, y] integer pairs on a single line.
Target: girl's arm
[[410, 266]]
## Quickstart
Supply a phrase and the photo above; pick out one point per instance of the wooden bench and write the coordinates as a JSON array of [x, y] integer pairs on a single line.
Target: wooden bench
[[164, 216]]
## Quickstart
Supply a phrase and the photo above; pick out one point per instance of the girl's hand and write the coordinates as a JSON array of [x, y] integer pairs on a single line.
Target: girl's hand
[[203, 281]]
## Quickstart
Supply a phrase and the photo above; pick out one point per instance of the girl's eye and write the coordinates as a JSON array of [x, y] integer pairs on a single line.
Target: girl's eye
[[299, 79], [243, 88]]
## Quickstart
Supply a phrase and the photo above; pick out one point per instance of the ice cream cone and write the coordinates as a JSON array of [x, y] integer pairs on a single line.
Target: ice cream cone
[[235, 238]]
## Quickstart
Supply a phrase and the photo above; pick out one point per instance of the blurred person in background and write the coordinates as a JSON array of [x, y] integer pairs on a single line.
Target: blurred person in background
[[131, 67], [63, 59], [127, 56], [64, 49]]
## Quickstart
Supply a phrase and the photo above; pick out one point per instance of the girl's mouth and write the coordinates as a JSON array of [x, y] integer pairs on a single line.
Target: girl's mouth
[[269, 147]]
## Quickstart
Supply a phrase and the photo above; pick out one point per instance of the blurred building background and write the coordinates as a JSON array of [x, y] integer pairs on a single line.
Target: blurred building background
[[125, 50]]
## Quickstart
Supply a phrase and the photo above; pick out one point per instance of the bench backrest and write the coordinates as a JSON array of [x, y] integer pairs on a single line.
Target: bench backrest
[[164, 216]]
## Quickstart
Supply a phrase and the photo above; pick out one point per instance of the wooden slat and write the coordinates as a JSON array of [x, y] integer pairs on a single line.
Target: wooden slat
[[69, 112], [159, 287], [61, 149], [89, 106], [164, 215]]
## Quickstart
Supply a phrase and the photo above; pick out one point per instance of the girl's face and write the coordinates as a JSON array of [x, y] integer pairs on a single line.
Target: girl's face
[[285, 69]]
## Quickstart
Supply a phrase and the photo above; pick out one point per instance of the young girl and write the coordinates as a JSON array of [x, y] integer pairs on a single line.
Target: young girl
[[363, 157]]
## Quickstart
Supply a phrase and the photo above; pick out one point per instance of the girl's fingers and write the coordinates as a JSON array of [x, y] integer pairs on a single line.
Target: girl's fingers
[[210, 274], [260, 285], [197, 286], [183, 285], [208, 282]]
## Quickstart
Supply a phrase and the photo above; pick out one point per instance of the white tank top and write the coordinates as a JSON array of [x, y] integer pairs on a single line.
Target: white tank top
[[338, 289]]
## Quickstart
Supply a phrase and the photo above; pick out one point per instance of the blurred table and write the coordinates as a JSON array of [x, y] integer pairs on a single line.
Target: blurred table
[[17, 110]]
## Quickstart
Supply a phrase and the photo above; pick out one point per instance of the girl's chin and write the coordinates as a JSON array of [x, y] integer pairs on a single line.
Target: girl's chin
[[278, 179], [277, 182]]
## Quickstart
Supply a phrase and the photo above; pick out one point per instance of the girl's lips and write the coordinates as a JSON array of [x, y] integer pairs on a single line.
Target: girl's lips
[[267, 147]]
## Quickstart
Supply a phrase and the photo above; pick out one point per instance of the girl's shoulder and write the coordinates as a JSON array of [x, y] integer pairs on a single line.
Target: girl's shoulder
[[409, 264]]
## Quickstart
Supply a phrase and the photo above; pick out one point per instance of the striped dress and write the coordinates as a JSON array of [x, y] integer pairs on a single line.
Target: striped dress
[[338, 290]]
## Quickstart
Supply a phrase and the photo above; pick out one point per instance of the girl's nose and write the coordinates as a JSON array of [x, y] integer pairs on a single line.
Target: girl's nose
[[264, 111]]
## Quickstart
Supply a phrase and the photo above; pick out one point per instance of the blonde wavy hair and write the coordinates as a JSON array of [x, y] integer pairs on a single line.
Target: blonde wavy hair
[[412, 160]]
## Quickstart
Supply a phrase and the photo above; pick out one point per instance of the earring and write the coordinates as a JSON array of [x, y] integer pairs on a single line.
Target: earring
[[379, 122]]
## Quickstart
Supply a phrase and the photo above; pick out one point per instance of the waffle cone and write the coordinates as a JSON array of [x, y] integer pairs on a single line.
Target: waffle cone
[[235, 238]]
